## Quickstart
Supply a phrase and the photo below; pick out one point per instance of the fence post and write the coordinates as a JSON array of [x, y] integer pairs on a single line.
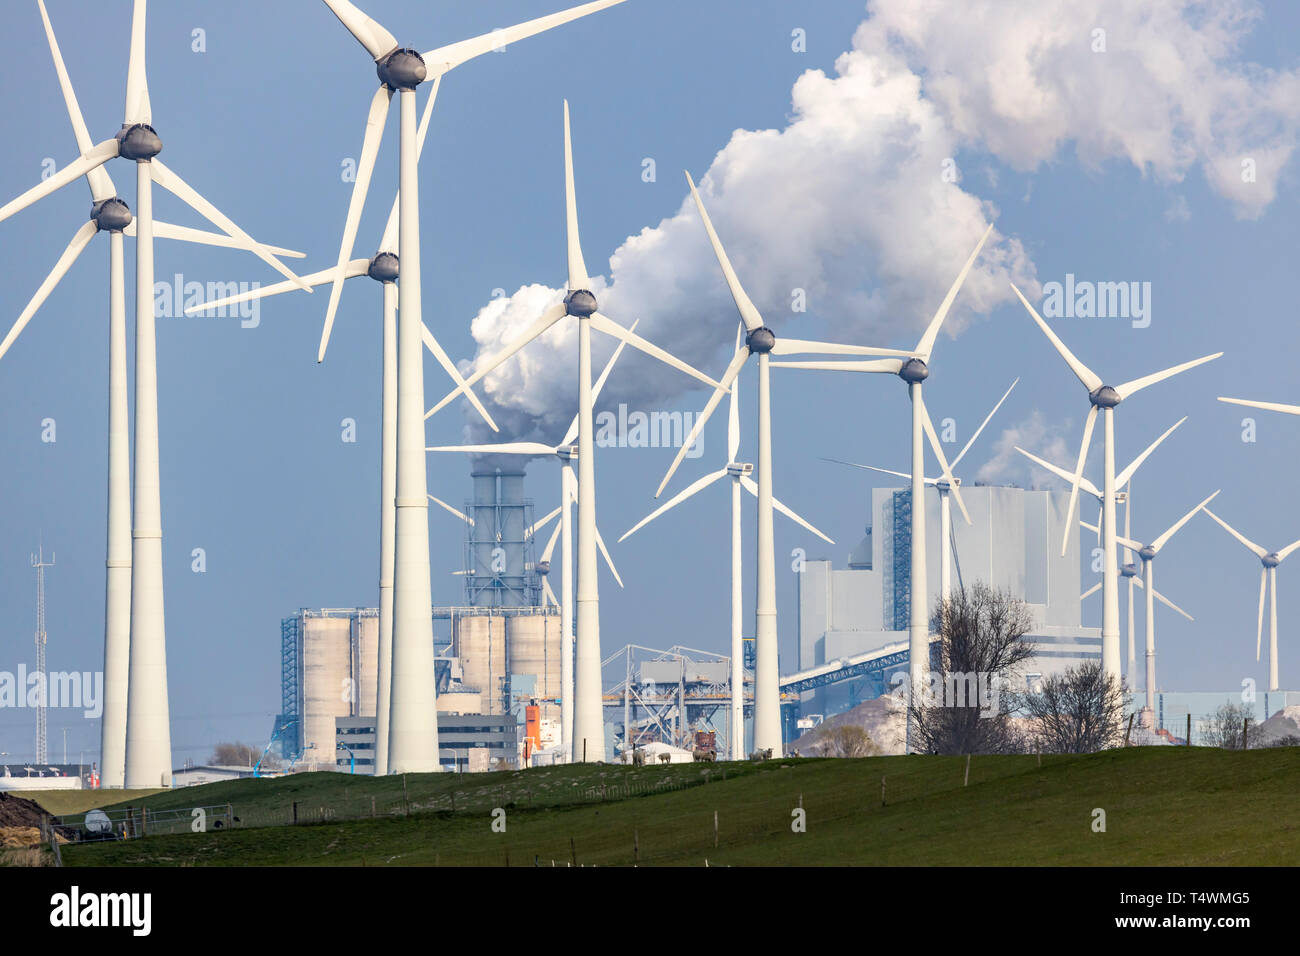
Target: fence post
[[573, 851], [1189, 728], [230, 816], [882, 790], [966, 782], [1130, 728], [295, 812], [715, 823], [636, 846], [1245, 741]]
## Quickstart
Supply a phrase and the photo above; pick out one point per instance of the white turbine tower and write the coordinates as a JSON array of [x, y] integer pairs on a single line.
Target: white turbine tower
[[1267, 583], [739, 473], [1128, 570], [109, 213], [763, 342], [567, 453], [147, 759], [1148, 552], [914, 371], [947, 544], [1103, 397], [580, 303], [413, 717]]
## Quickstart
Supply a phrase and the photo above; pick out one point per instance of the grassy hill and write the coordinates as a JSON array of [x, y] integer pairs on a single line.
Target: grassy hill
[[1163, 807]]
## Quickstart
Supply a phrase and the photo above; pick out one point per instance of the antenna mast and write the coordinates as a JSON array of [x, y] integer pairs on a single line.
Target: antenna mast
[[40, 564]]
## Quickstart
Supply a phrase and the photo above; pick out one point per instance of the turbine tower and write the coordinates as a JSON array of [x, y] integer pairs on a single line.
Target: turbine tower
[[1148, 552], [763, 342], [109, 213], [947, 543], [1105, 398], [739, 473], [413, 716], [580, 303], [566, 453], [1267, 583], [40, 564], [148, 736], [1129, 571]]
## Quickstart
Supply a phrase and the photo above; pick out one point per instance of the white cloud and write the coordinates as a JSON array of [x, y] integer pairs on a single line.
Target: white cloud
[[1036, 436]]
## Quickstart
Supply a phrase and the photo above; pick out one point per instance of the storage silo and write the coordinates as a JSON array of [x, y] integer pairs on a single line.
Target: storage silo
[[326, 668], [479, 643], [533, 642], [365, 661]]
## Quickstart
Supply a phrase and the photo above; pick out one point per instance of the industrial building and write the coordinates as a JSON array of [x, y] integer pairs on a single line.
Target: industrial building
[[852, 621]]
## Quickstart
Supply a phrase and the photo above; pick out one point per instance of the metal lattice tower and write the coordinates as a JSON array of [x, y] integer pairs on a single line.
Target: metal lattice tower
[[40, 564]]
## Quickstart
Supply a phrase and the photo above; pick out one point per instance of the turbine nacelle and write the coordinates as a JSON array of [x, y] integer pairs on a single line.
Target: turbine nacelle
[[567, 453], [761, 340], [1129, 571], [737, 469], [1104, 397], [383, 267], [140, 142], [111, 215], [402, 70], [580, 304], [943, 484], [1270, 560], [542, 567], [914, 371], [1147, 553]]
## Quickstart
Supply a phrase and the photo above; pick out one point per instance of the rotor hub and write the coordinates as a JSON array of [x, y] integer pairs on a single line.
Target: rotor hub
[[580, 304], [1147, 553], [111, 215], [1271, 560], [914, 371], [402, 69], [383, 267], [1104, 397], [761, 341], [140, 142]]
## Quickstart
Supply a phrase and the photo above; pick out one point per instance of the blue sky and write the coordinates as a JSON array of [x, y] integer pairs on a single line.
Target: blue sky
[[1117, 177]]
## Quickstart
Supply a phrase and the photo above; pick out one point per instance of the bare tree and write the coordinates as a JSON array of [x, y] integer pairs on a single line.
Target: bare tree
[[1224, 729], [966, 708], [1080, 710], [843, 740], [237, 755]]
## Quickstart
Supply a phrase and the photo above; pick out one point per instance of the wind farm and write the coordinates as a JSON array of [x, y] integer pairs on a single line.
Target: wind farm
[[880, 208]]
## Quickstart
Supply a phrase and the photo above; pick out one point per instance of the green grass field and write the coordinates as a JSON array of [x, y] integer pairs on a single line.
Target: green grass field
[[76, 801], [1163, 807]]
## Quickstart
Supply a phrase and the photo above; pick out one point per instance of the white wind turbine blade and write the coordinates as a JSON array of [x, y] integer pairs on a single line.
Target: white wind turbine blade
[[926, 345], [1130, 543], [987, 418], [578, 278], [1161, 541], [888, 366], [449, 57], [1090, 592], [544, 322], [1257, 550], [389, 241], [1170, 604], [1268, 406], [728, 378], [733, 411], [369, 32], [1281, 555], [571, 435], [375, 122], [167, 230], [449, 367], [752, 487], [548, 594], [1085, 375], [550, 543], [1084, 483], [138, 109], [79, 167], [505, 448], [169, 181], [604, 553], [1077, 477], [542, 523], [696, 486], [748, 313], [1128, 388], [1259, 623], [1123, 477], [603, 323], [459, 514], [883, 471], [79, 242], [786, 346], [937, 446], [101, 186], [357, 267]]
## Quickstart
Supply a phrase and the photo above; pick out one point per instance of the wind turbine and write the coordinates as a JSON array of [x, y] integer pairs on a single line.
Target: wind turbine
[[1106, 398], [110, 214], [1128, 570], [147, 759], [1267, 406], [565, 452], [413, 711], [1148, 552], [739, 473], [580, 303], [763, 342], [1267, 582], [947, 546], [914, 371]]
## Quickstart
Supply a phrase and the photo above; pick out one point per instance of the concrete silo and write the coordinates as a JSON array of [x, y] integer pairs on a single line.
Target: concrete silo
[[479, 643], [533, 641]]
